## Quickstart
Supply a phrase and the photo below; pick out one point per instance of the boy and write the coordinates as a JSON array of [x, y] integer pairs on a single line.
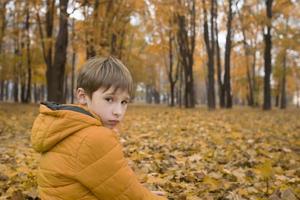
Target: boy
[[81, 155]]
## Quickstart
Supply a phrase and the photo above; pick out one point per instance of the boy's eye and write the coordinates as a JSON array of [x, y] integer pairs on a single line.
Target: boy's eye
[[124, 102], [109, 99]]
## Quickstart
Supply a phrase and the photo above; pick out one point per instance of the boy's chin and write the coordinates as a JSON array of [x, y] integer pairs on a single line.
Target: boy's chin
[[110, 126]]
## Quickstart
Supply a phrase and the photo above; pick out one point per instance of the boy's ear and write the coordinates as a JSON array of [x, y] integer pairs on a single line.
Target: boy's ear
[[81, 96]]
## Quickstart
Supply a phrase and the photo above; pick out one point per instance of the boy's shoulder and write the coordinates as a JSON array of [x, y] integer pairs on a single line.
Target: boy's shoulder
[[97, 135], [96, 142]]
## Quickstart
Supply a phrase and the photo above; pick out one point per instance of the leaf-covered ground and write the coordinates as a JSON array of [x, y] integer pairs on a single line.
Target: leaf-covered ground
[[189, 154]]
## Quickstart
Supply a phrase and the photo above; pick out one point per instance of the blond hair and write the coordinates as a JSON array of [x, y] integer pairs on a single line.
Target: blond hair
[[104, 72]]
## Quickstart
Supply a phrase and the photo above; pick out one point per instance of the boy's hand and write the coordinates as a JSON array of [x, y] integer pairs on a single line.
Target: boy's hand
[[159, 193]]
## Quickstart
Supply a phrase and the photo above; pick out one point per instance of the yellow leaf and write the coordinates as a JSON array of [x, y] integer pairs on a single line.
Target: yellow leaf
[[214, 183], [155, 180], [265, 170], [236, 135], [243, 192], [192, 197]]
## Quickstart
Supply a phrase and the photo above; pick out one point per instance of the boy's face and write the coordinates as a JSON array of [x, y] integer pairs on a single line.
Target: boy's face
[[109, 105]]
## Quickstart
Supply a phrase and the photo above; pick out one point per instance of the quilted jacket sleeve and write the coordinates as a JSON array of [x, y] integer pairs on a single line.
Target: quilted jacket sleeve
[[104, 170]]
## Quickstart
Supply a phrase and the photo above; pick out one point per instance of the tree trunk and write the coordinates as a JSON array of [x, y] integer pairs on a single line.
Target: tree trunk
[[221, 90], [3, 23], [219, 72], [23, 92], [277, 94], [28, 56], [212, 55], [17, 66], [186, 42], [1, 90], [148, 94], [250, 87], [283, 83], [90, 36], [44, 93], [113, 44], [181, 85], [172, 94], [66, 88], [7, 92], [73, 77], [34, 93], [47, 47], [121, 44], [227, 77], [73, 61], [210, 64], [268, 57], [172, 80], [255, 86], [283, 102], [156, 96], [16, 90], [56, 73]]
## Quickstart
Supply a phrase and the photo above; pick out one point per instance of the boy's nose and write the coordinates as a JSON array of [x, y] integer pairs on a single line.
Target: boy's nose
[[117, 111]]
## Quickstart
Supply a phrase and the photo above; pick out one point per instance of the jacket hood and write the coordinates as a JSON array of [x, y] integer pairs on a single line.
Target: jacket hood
[[56, 122]]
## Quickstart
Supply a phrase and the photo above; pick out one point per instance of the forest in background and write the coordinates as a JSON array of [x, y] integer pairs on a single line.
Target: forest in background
[[180, 52]]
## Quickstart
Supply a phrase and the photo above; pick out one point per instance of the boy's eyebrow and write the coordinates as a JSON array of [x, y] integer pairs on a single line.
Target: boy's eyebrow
[[110, 93], [114, 93]]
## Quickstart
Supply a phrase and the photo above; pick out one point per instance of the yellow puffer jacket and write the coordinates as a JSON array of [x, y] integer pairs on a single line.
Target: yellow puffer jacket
[[81, 159]]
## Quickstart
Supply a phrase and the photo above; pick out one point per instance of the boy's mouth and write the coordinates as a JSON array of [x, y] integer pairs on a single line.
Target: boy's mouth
[[113, 122]]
